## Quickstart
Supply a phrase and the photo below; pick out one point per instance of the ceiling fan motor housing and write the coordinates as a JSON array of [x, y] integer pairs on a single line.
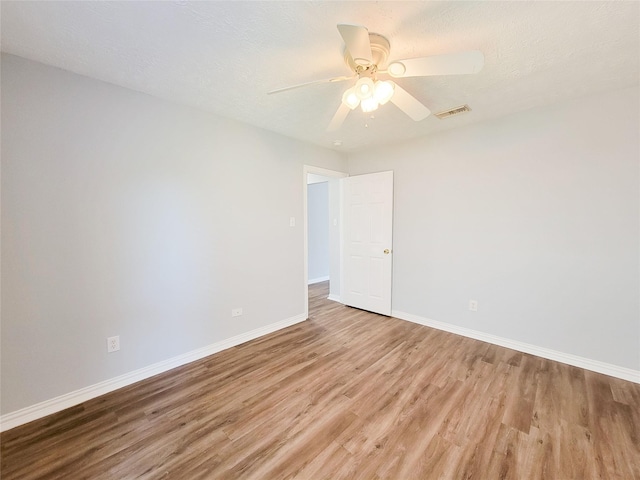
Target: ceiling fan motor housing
[[379, 54]]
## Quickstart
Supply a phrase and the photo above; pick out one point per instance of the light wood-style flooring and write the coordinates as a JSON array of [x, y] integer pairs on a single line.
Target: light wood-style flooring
[[347, 394]]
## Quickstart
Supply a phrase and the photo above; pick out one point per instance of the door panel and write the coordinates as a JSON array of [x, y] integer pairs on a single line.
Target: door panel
[[368, 223]]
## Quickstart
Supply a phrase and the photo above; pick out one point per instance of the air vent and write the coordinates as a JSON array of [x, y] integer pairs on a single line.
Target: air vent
[[453, 111]]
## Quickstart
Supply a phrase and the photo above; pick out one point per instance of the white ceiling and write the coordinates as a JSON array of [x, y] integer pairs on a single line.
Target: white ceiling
[[224, 57]]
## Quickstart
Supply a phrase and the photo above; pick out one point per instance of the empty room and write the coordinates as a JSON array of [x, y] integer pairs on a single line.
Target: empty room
[[320, 240]]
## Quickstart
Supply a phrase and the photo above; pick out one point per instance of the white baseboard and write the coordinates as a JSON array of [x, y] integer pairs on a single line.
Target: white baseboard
[[57, 404], [318, 280], [334, 298], [586, 363]]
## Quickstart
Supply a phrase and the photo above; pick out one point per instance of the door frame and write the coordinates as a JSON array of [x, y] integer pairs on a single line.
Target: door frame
[[325, 173]]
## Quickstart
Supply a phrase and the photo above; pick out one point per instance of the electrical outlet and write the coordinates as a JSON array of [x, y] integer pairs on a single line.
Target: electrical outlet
[[473, 305], [113, 344], [236, 312]]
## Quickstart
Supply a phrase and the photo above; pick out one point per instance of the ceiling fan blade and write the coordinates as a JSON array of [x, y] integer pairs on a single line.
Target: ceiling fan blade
[[356, 38], [315, 82], [409, 105], [338, 118], [448, 64]]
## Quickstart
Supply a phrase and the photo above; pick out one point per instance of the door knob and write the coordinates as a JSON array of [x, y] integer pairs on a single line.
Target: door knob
[[387, 251]]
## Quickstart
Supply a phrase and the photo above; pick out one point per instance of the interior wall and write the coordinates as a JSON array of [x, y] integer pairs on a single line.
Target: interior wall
[[318, 224], [535, 216], [123, 214]]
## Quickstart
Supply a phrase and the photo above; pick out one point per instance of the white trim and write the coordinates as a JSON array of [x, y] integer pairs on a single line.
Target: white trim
[[334, 298], [341, 240], [318, 280], [324, 172], [318, 171], [586, 363], [42, 409]]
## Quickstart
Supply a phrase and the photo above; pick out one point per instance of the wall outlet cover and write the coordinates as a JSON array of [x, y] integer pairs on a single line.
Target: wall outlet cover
[[113, 344]]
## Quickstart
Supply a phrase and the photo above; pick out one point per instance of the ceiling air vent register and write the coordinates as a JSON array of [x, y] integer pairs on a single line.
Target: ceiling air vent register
[[453, 111]]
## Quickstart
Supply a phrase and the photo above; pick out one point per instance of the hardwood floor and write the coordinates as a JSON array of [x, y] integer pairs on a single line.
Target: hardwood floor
[[347, 394]]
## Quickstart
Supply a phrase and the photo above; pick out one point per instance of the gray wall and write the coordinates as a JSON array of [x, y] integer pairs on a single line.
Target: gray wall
[[126, 215], [535, 216], [318, 223]]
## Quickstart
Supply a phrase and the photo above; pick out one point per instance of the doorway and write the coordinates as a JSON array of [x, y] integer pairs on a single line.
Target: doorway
[[319, 232], [311, 176]]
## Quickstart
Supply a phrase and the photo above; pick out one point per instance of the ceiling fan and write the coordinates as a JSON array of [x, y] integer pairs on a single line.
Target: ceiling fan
[[366, 55]]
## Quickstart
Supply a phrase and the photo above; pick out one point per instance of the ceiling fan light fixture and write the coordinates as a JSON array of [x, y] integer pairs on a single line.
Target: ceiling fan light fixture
[[350, 99], [383, 91], [396, 69], [369, 104], [364, 88]]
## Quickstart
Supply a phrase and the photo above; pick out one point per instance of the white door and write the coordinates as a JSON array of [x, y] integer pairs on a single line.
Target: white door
[[368, 223]]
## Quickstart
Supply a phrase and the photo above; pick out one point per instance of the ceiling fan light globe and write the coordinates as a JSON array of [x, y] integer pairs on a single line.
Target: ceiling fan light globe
[[364, 88], [396, 69], [383, 91], [369, 104], [350, 99]]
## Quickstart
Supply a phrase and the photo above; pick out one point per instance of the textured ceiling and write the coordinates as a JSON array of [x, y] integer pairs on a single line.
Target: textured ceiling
[[224, 57]]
